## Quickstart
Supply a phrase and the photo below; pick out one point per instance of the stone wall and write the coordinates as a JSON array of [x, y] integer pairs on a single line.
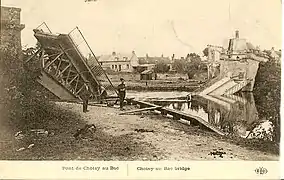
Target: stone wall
[[11, 54], [11, 34], [247, 68]]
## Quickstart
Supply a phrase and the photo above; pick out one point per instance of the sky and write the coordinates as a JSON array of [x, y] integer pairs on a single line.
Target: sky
[[155, 27]]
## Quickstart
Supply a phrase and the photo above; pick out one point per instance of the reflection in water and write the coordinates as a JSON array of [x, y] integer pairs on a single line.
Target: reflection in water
[[240, 119]]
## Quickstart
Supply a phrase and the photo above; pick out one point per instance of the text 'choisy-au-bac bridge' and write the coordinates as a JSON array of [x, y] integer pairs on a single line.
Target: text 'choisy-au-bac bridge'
[[68, 65]]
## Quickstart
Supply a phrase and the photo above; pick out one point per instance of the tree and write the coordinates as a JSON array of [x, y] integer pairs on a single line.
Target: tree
[[193, 57], [187, 57], [206, 52], [161, 67], [191, 68], [179, 65], [268, 87], [191, 65]]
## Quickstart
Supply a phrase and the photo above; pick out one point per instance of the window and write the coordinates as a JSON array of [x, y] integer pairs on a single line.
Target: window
[[112, 66], [127, 65], [115, 66]]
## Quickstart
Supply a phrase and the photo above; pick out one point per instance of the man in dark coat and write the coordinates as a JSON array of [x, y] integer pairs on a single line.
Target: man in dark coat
[[121, 93], [85, 96]]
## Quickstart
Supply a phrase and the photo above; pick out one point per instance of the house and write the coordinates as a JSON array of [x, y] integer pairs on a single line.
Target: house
[[214, 53], [146, 75], [154, 60], [234, 59], [148, 63], [119, 62], [238, 48]]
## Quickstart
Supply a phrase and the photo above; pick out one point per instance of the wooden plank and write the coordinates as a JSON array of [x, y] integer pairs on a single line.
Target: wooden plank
[[73, 79], [139, 110], [146, 103], [58, 67], [49, 64], [64, 70], [42, 58], [169, 100]]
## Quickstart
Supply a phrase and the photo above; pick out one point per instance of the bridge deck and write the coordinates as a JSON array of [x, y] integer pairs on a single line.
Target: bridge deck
[[64, 62], [178, 114]]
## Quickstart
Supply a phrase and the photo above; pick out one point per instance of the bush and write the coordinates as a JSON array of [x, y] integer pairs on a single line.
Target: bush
[[268, 87]]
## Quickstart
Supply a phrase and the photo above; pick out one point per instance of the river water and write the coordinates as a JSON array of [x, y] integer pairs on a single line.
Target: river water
[[237, 115]]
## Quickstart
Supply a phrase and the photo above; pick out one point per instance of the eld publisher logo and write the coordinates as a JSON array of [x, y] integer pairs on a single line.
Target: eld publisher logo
[[261, 170]]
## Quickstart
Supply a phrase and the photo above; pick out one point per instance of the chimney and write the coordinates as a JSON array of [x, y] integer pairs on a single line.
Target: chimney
[[162, 55], [133, 52], [237, 34], [113, 53]]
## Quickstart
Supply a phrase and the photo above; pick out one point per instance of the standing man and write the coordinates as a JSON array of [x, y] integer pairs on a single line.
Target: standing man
[[85, 96], [121, 93], [103, 94]]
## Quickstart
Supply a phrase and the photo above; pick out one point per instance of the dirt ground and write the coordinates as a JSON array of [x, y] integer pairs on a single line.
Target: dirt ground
[[142, 136], [150, 136]]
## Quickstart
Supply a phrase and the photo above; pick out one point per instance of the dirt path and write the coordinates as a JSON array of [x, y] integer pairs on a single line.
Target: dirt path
[[169, 140]]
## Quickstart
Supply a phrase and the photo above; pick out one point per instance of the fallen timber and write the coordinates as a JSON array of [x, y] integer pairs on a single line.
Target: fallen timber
[[169, 100], [177, 115], [139, 110]]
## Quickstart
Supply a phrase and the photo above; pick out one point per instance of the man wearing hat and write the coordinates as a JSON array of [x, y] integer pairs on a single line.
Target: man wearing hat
[[85, 96], [121, 93]]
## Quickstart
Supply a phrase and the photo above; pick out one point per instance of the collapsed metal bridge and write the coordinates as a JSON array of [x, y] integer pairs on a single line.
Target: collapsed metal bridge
[[69, 68]]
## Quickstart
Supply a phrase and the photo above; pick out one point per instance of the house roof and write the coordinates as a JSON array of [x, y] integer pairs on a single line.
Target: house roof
[[116, 57], [154, 60], [147, 72], [144, 65]]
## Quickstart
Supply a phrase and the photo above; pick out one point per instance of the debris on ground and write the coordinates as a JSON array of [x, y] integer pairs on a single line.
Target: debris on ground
[[41, 132], [30, 146], [33, 132], [85, 132], [21, 149], [19, 135], [143, 130]]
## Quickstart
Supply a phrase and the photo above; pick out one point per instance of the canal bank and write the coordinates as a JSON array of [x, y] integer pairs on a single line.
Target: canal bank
[[165, 82]]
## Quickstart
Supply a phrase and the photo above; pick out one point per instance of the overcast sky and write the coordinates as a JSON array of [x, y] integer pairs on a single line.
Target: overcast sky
[[155, 26]]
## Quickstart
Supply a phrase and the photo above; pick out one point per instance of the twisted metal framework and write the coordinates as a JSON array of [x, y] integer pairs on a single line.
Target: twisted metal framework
[[69, 67]]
